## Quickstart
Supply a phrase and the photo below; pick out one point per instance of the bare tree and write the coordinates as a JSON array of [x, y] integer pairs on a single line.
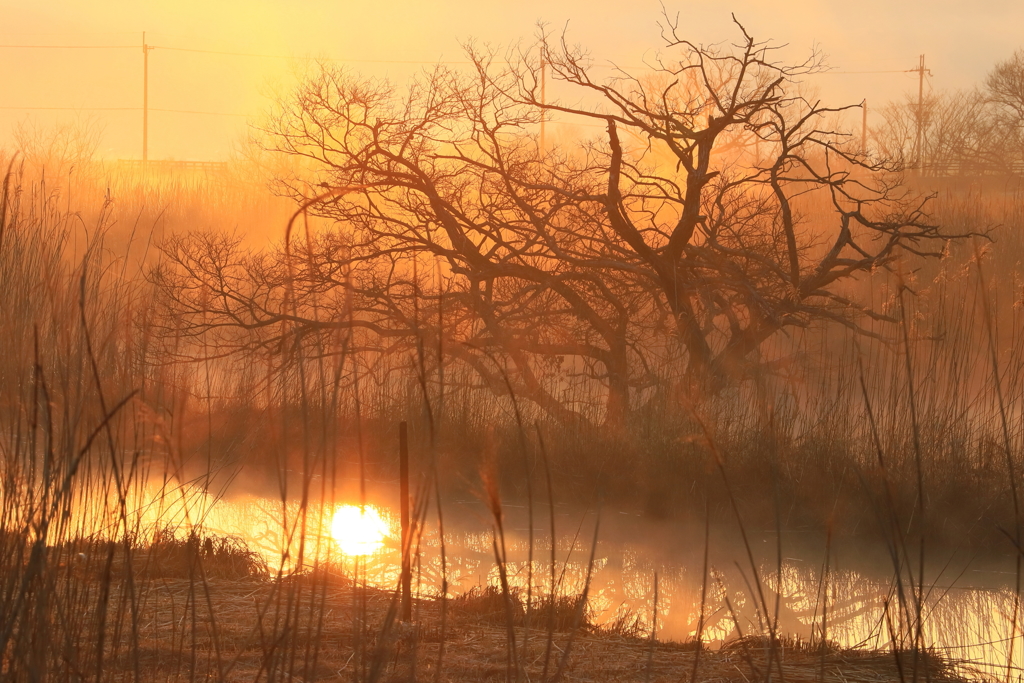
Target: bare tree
[[1005, 84], [961, 135], [964, 132], [716, 209], [1005, 89], [450, 236], [727, 243], [60, 146]]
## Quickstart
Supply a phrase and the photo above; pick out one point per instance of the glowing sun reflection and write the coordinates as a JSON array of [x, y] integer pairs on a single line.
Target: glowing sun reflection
[[358, 531]]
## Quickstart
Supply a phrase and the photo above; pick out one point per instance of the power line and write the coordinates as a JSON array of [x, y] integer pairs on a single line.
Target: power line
[[844, 73], [71, 108], [73, 47], [192, 111], [169, 111], [219, 52], [328, 59], [236, 54], [354, 61], [71, 33], [147, 47]]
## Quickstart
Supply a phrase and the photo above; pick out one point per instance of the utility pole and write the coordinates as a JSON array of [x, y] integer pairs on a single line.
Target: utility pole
[[543, 100], [919, 150], [145, 100], [864, 126]]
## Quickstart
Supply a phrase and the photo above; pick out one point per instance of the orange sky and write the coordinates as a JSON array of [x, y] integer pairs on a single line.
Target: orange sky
[[960, 40]]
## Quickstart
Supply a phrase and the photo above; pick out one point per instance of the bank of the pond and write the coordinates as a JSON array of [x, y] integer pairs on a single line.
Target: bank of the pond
[[322, 628]]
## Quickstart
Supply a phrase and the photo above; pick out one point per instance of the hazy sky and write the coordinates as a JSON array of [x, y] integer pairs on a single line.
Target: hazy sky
[[961, 42]]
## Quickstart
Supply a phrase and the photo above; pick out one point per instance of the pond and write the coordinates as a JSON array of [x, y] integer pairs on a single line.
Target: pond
[[967, 610]]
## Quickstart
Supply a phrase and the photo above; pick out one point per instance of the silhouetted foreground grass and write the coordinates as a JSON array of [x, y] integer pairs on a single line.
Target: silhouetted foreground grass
[[95, 407], [236, 634]]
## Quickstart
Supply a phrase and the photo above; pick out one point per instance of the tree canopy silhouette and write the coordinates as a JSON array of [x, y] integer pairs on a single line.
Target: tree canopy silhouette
[[713, 206]]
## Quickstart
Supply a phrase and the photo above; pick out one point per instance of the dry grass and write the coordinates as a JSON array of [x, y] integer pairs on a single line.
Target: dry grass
[[229, 641], [92, 410]]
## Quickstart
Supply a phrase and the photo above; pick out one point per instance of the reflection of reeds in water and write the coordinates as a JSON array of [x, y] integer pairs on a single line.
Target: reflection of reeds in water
[[121, 555]]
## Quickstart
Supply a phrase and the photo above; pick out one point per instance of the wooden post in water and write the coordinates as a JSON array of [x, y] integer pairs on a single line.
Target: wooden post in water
[[403, 474]]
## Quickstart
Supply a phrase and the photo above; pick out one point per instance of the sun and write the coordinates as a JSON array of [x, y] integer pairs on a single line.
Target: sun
[[358, 531]]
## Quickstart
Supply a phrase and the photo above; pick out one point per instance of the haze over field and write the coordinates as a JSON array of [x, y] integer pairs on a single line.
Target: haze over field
[[961, 42], [545, 342]]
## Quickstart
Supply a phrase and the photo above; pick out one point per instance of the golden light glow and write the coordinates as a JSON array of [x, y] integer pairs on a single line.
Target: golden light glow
[[358, 531]]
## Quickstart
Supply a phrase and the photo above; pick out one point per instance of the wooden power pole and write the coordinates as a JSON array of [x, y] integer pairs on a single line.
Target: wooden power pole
[[543, 100], [864, 127], [919, 150], [145, 100]]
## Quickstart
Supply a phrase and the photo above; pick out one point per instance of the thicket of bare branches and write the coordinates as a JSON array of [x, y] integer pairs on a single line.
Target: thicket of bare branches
[[717, 208], [963, 132]]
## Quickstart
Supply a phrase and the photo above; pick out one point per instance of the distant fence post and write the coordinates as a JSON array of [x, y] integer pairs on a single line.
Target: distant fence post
[[403, 470]]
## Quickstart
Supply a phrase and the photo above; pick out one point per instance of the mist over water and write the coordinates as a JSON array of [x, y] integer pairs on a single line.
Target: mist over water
[[697, 364], [850, 592]]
